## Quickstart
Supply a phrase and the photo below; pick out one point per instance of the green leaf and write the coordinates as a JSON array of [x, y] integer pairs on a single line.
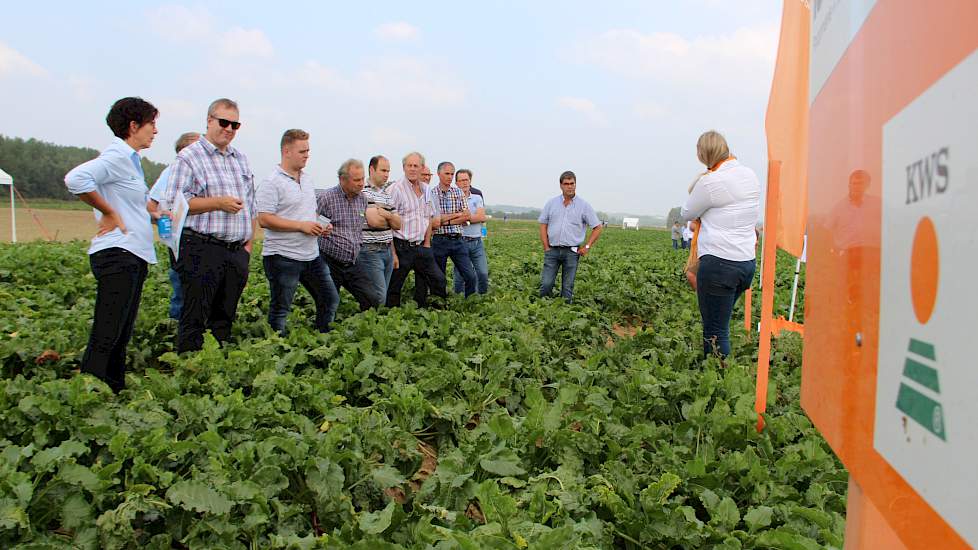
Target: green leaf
[[76, 474], [503, 462], [758, 517], [386, 476], [374, 523], [197, 496], [656, 494], [783, 539], [76, 511]]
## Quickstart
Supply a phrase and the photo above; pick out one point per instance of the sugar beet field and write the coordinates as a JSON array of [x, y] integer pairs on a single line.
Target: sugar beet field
[[503, 422]]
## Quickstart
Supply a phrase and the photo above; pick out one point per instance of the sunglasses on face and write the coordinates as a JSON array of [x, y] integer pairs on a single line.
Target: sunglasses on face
[[234, 124]]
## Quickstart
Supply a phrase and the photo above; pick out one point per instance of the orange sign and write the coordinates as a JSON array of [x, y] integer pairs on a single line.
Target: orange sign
[[894, 53]]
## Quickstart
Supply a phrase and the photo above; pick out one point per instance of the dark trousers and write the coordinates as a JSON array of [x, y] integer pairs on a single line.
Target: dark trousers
[[284, 275], [675, 244], [565, 259], [212, 277], [354, 279], [445, 247], [422, 261], [719, 283], [120, 275]]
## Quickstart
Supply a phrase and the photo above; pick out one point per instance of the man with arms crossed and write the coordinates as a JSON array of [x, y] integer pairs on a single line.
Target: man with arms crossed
[[345, 207], [472, 235], [412, 242], [156, 194], [287, 210], [377, 251], [563, 226], [215, 246], [451, 213]]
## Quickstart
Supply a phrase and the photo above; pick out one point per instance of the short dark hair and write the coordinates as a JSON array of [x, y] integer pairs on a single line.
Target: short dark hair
[[292, 136], [567, 175], [129, 109], [463, 171], [442, 164], [375, 160]]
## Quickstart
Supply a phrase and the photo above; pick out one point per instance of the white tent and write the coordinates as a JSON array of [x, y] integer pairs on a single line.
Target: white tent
[[629, 223], [5, 179]]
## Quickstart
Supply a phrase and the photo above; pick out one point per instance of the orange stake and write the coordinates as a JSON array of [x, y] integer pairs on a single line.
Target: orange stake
[[769, 251]]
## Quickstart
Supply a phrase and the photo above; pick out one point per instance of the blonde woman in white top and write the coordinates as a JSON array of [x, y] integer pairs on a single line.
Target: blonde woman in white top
[[726, 200]]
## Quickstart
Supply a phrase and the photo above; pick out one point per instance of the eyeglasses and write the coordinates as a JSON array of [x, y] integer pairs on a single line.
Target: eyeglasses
[[234, 124]]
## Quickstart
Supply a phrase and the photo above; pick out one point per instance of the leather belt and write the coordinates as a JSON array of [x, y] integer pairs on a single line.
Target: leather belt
[[233, 246]]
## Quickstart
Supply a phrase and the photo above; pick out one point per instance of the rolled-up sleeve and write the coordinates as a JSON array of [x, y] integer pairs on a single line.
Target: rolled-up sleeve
[[590, 217], [698, 202], [84, 177], [545, 214]]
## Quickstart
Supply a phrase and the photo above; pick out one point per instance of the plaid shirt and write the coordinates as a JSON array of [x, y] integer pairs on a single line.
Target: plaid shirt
[[448, 202], [381, 198], [415, 211], [347, 216], [201, 170]]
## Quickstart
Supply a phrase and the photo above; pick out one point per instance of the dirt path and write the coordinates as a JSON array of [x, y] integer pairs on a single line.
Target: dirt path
[[60, 225]]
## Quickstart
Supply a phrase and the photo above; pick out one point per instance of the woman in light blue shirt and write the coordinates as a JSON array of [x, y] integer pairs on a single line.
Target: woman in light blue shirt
[[472, 235], [113, 184]]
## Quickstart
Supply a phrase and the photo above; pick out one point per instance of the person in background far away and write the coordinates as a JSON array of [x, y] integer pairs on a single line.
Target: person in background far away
[[113, 184], [677, 235], [153, 207], [726, 200], [687, 235], [563, 226]]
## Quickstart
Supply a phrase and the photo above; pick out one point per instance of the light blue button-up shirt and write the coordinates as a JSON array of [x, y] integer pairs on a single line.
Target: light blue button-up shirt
[[158, 190], [115, 176], [475, 229], [567, 225]]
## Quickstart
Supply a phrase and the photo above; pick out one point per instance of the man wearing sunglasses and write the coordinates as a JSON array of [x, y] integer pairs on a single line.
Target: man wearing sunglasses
[[215, 246]]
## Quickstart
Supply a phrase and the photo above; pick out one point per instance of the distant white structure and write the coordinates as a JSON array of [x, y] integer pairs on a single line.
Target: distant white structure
[[5, 179], [629, 223]]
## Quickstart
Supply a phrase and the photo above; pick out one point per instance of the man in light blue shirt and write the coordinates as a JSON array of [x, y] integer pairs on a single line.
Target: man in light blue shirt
[[156, 194], [563, 227], [472, 235], [114, 185]]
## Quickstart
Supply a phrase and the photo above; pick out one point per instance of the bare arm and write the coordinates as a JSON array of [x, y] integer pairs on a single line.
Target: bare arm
[[153, 207], [200, 205], [479, 216]]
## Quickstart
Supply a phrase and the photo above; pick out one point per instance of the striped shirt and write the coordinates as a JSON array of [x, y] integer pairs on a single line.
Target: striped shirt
[[415, 210], [202, 170], [348, 218], [448, 202], [381, 198]]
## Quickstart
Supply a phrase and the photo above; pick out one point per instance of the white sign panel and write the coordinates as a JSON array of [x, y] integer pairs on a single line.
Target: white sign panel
[[926, 423], [834, 25]]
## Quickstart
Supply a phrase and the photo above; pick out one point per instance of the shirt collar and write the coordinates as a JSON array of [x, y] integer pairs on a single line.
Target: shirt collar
[[211, 148], [302, 173], [124, 147]]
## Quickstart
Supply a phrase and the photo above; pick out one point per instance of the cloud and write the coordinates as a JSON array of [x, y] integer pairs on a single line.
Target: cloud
[[742, 60], [398, 30], [391, 80], [239, 42], [584, 106], [13, 62], [178, 23]]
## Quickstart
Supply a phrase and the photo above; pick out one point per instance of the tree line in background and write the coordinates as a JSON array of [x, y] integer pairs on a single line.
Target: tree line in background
[[39, 167]]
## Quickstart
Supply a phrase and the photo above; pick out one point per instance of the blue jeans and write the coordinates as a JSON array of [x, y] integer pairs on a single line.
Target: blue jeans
[[675, 244], [377, 263], [445, 247], [477, 253], [566, 259], [719, 283], [285, 274], [176, 297]]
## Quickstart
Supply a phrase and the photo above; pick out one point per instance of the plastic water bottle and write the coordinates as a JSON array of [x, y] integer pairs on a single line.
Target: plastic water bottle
[[165, 226], [485, 231]]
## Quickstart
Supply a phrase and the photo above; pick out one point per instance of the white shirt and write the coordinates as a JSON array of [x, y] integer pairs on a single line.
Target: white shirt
[[728, 203], [282, 195]]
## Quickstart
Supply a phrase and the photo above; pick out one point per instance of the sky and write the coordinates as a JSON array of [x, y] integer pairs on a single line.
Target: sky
[[517, 92]]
